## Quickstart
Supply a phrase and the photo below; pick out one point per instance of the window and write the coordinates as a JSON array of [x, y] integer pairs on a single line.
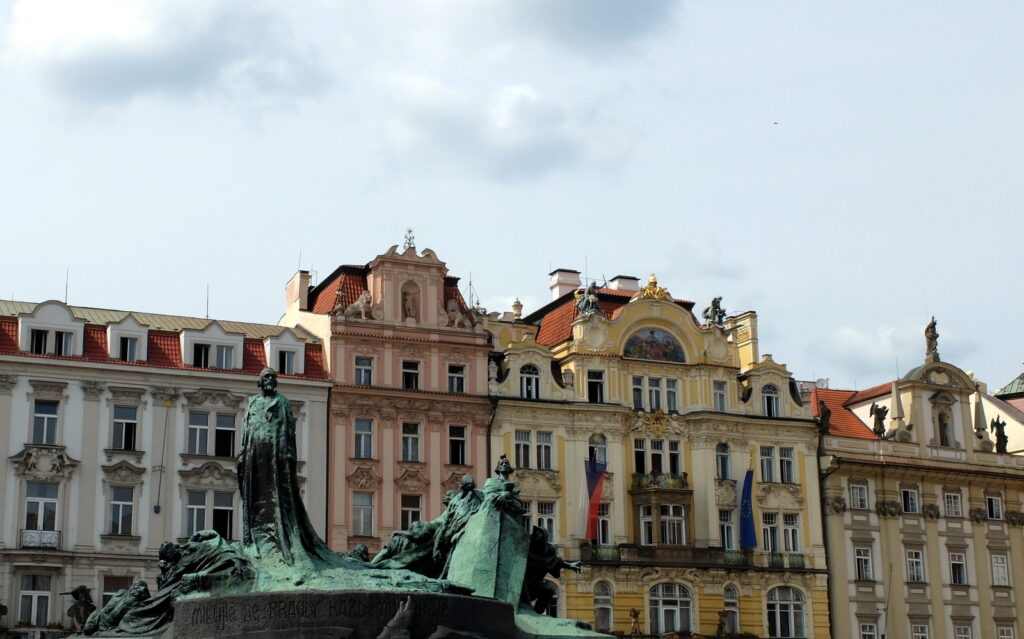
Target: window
[[915, 566], [718, 395], [456, 379], [785, 612], [918, 631], [224, 514], [544, 451], [657, 450], [731, 605], [225, 355], [124, 427], [770, 397], [62, 343], [198, 432], [195, 512], [767, 464], [962, 632], [364, 439], [410, 443], [457, 445], [603, 607], [546, 518], [727, 529], [34, 605], [646, 525], [862, 561], [364, 371], [595, 387], [671, 395], [1000, 570], [670, 609], [722, 461], [654, 393], [994, 505], [1004, 632], [770, 532], [523, 448], [529, 382], [201, 355], [597, 448], [40, 506], [673, 525], [527, 516], [113, 585], [787, 470], [953, 505], [859, 496], [640, 456], [44, 422], [410, 511], [957, 569], [604, 524], [410, 375], [675, 466], [791, 532], [122, 499], [286, 362], [224, 436], [37, 342], [909, 500], [129, 346], [638, 393], [362, 514], [868, 631]]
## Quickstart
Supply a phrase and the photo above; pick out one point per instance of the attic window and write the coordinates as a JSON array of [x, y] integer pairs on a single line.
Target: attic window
[[201, 355]]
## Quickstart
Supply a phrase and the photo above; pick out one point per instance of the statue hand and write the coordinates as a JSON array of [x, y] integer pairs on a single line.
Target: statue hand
[[575, 566]]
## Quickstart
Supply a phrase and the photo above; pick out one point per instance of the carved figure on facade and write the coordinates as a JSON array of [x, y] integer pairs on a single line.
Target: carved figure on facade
[[824, 417], [7, 383], [978, 515], [714, 314], [931, 511], [835, 505], [879, 414], [411, 480], [410, 301], [361, 307], [587, 302], [651, 291], [456, 318], [634, 624], [364, 477], [998, 427], [40, 462], [888, 508], [931, 341]]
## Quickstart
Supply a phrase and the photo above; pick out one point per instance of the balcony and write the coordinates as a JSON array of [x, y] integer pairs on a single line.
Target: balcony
[[690, 556], [40, 539], [644, 481]]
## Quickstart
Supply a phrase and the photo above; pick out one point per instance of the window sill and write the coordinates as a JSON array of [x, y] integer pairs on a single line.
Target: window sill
[[196, 458]]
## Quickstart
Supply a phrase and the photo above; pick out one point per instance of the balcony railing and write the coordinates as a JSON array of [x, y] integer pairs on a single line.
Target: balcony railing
[[40, 539], [660, 480], [690, 556]]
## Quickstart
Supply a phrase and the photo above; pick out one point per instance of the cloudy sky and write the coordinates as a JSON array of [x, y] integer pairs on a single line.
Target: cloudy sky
[[846, 169]]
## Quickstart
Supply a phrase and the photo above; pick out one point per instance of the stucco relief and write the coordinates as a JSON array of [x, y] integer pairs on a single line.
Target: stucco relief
[[364, 477], [978, 515], [453, 480], [930, 511], [457, 357], [123, 472], [772, 579], [716, 348], [47, 390], [209, 475], [834, 505], [725, 493], [411, 352], [594, 333], [888, 508], [92, 390], [608, 487], [126, 396], [7, 383], [786, 496], [411, 479], [364, 348], [40, 462], [164, 394], [206, 397], [120, 544], [538, 483]]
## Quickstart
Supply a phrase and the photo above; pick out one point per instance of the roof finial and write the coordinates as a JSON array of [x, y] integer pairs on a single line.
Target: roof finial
[[410, 239]]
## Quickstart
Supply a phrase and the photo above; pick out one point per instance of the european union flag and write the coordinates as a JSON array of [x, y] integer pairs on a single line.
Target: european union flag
[[748, 538]]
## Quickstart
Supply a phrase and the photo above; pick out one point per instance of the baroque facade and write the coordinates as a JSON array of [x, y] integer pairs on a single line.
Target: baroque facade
[[677, 411], [409, 411], [118, 431], [923, 508]]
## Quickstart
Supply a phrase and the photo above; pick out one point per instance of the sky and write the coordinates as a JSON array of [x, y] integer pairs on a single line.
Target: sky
[[844, 169]]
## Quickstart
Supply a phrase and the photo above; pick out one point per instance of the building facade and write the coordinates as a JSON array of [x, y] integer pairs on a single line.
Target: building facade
[[923, 501], [118, 431], [409, 409], [677, 411]]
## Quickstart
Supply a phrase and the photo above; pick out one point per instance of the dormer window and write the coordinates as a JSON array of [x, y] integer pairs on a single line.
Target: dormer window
[[201, 355], [224, 356], [529, 382], [770, 397], [51, 329], [62, 343], [287, 352], [286, 362], [37, 344], [128, 349]]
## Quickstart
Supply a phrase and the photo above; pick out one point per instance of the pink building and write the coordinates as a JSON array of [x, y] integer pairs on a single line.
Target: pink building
[[409, 413]]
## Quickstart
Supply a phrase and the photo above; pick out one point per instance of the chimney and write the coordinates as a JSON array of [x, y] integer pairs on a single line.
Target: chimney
[[626, 283], [296, 292], [563, 280]]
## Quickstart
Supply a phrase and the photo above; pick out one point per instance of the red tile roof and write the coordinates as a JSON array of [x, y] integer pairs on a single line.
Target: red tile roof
[[351, 280], [94, 346], [253, 356], [8, 335], [315, 361], [870, 393], [842, 421], [556, 326], [164, 349]]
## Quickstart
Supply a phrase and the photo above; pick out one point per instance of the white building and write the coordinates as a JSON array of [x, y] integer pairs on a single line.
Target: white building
[[118, 431]]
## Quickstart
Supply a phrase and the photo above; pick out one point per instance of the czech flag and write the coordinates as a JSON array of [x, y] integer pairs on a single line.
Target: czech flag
[[596, 472]]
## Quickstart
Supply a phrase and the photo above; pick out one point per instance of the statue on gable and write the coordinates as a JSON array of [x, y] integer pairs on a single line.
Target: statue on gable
[[931, 341], [998, 427], [456, 318], [409, 304], [879, 413], [586, 301], [714, 314], [651, 291], [359, 307]]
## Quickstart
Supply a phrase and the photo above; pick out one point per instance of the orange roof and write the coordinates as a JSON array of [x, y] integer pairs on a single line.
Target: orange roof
[[842, 421], [350, 280], [94, 345], [870, 393], [164, 349], [253, 356], [556, 326], [315, 361], [8, 335]]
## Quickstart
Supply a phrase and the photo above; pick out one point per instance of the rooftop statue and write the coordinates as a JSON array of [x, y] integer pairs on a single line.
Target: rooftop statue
[[931, 341], [651, 291], [586, 302], [714, 314]]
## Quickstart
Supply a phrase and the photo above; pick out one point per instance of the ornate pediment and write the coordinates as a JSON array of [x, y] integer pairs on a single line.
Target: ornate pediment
[[92, 389], [412, 479], [206, 397], [538, 483], [123, 472], [47, 390], [41, 462], [784, 496], [654, 424], [126, 395], [7, 383], [209, 475], [364, 478]]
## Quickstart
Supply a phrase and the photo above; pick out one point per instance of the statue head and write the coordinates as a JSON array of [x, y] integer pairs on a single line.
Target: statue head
[[504, 468], [538, 537], [467, 484], [268, 381], [139, 591], [448, 496], [169, 552]]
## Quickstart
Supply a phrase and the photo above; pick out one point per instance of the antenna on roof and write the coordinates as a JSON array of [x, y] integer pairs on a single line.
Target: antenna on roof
[[67, 276], [300, 261], [207, 300]]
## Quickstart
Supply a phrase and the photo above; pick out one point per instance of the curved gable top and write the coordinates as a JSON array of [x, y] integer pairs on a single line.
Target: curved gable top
[[940, 374], [54, 313], [654, 344]]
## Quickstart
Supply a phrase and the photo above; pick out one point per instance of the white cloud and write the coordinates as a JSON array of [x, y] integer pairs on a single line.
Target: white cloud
[[111, 51]]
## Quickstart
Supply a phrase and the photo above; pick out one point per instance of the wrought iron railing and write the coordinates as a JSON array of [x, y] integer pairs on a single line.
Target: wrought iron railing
[[660, 480]]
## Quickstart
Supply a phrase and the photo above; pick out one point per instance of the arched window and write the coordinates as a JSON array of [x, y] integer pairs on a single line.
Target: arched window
[[785, 612], [529, 382], [598, 448], [670, 609], [603, 607], [731, 605], [770, 396], [722, 460]]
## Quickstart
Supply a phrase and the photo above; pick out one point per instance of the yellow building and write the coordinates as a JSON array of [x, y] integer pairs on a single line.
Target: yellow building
[[679, 411], [923, 507]]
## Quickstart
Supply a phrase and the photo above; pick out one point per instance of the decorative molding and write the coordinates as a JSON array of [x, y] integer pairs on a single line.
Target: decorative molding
[[209, 475], [119, 454], [412, 479], [411, 352], [206, 397], [92, 390], [538, 483], [725, 493], [453, 481], [41, 462], [931, 511], [835, 505], [364, 478], [786, 496], [126, 395], [364, 348], [164, 394], [7, 383], [47, 390], [1014, 517], [888, 508], [978, 515], [123, 472]]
